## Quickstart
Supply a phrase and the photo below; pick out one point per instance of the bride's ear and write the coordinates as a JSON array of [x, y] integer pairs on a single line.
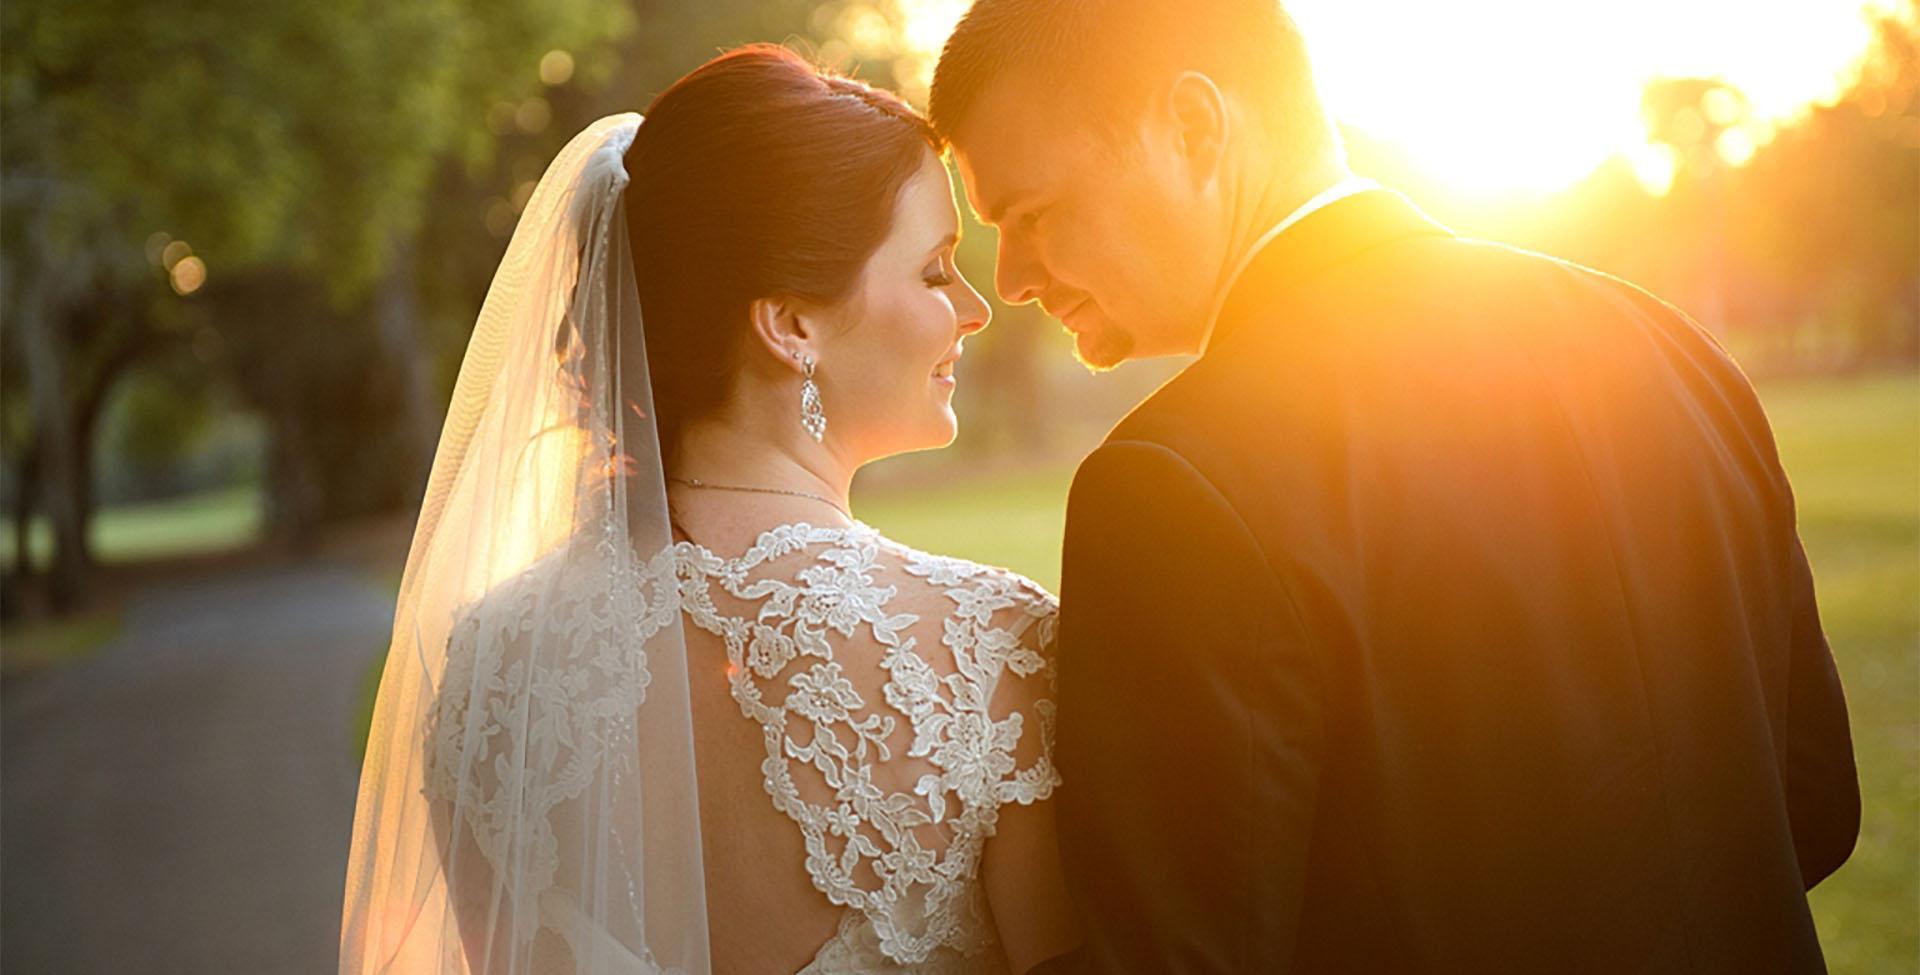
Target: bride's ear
[[784, 329]]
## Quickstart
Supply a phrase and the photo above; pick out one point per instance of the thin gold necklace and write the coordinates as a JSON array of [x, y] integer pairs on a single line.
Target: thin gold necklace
[[694, 482]]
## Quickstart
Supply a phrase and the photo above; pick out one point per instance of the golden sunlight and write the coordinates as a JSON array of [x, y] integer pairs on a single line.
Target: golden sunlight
[[1504, 96]]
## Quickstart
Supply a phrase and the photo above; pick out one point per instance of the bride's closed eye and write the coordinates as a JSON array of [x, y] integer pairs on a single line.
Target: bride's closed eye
[[938, 276]]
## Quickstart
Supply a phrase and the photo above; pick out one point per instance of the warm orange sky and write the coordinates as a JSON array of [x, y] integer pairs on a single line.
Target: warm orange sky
[[1501, 96]]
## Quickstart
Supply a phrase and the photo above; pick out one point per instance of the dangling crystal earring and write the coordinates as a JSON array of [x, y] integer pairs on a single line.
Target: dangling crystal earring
[[812, 416]]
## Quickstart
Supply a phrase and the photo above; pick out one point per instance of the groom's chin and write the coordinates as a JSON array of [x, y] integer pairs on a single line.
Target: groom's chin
[[1102, 349]]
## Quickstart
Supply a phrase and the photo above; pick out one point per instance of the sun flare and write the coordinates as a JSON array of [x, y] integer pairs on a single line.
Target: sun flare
[[1518, 96]]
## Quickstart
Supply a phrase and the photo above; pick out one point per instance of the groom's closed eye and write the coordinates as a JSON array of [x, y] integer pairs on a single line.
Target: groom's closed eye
[[1016, 206], [1026, 219]]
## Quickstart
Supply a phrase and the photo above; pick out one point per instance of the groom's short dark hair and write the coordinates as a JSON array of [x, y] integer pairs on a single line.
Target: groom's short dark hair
[[1102, 57]]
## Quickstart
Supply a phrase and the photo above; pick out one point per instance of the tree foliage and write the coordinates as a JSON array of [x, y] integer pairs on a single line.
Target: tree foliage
[[282, 142]]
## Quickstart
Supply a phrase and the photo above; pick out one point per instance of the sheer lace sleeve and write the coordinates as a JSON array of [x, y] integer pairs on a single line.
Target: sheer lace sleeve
[[996, 731]]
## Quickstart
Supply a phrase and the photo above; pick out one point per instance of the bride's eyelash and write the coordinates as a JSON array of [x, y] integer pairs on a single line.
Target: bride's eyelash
[[939, 277]]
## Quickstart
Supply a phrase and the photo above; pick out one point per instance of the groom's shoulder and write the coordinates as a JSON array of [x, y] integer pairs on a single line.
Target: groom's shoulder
[[1339, 357], [1165, 418], [1205, 402], [1175, 432]]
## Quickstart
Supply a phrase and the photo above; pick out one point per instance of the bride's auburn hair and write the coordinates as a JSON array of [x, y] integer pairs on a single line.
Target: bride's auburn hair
[[757, 175]]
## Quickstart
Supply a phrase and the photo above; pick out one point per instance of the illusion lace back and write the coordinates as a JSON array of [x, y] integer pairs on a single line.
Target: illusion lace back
[[899, 700], [863, 711]]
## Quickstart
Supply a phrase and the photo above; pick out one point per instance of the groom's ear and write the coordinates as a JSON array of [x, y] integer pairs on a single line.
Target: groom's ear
[[784, 329], [1197, 111]]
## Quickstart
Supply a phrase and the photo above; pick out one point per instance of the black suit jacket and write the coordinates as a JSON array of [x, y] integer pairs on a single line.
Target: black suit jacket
[[1447, 615]]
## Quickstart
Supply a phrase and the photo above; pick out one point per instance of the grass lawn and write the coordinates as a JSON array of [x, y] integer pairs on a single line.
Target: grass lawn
[[189, 525], [1852, 450], [1014, 521]]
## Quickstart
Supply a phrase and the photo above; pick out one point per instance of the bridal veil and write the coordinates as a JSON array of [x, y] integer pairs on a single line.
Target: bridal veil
[[529, 804]]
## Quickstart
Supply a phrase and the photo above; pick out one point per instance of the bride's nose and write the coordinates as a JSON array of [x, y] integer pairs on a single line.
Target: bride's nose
[[972, 310]]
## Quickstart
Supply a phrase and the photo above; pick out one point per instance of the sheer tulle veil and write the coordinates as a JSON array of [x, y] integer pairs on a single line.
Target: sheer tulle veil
[[528, 802]]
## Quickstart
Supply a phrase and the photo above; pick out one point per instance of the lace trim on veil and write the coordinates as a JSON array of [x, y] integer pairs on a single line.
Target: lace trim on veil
[[576, 715]]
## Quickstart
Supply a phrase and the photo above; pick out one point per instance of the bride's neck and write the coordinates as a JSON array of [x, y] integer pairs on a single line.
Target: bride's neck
[[741, 452]]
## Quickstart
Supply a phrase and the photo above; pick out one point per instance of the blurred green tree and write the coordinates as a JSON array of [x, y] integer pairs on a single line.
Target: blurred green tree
[[242, 146], [1824, 223]]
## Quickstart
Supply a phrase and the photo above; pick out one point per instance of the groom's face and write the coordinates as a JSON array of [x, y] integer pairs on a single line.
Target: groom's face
[[1100, 228]]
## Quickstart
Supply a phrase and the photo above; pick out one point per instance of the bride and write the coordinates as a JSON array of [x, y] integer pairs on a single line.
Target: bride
[[656, 701]]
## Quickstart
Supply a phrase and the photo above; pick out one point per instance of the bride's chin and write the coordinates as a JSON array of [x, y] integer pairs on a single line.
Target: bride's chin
[[946, 428]]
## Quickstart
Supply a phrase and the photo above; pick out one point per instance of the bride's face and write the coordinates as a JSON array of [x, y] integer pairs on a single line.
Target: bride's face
[[887, 366]]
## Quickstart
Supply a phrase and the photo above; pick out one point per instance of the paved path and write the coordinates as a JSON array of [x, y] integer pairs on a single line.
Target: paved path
[[181, 801]]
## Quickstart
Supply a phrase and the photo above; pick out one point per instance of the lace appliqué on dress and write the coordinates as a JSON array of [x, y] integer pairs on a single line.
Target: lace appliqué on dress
[[911, 902]]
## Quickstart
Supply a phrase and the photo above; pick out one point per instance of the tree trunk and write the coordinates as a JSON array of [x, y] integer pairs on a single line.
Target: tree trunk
[[293, 500], [28, 487], [135, 340], [83, 429], [397, 312], [61, 471]]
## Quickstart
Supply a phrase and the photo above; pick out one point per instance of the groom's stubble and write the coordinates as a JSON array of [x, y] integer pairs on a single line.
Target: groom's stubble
[[1102, 349]]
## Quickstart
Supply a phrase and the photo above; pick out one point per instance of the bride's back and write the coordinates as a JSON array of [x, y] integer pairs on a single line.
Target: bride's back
[[862, 711]]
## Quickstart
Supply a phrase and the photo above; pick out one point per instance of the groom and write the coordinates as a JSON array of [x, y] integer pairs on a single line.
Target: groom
[[1448, 613]]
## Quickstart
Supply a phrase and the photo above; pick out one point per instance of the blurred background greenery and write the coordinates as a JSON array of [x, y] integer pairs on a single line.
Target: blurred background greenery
[[243, 244]]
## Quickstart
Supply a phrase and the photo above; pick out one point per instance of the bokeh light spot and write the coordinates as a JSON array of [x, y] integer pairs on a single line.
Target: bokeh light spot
[[1654, 167], [1735, 146], [188, 274], [556, 68], [533, 115], [174, 253]]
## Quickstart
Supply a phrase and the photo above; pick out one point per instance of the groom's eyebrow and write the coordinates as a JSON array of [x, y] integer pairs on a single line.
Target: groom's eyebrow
[[1015, 201], [995, 210]]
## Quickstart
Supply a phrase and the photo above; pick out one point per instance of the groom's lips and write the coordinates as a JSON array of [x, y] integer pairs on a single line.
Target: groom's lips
[[1067, 313]]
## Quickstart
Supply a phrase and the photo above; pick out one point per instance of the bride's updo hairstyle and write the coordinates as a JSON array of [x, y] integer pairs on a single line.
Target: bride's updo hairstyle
[[757, 175]]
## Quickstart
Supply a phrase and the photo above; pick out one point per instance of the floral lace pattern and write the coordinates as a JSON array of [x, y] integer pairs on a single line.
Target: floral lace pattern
[[575, 713], [893, 761], [903, 861]]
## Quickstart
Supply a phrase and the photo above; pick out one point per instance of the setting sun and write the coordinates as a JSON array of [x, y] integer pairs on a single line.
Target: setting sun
[[1502, 96]]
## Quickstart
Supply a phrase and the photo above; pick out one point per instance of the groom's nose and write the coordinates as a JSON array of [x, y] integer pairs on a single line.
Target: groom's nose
[[1017, 276]]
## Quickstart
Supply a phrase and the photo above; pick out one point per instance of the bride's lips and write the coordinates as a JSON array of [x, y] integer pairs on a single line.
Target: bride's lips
[[943, 372]]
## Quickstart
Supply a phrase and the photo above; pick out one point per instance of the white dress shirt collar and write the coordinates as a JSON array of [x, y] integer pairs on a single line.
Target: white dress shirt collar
[[1338, 191]]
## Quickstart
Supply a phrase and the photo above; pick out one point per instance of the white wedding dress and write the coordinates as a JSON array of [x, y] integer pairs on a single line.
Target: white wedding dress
[[900, 700]]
